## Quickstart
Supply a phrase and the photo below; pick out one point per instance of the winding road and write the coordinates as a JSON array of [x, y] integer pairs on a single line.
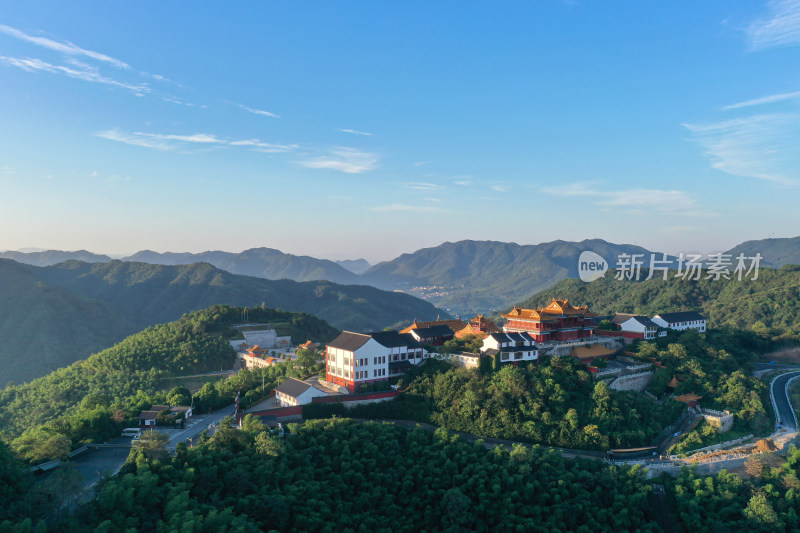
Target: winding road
[[779, 393]]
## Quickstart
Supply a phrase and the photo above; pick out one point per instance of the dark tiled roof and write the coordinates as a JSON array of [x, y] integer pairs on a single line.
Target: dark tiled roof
[[646, 322], [293, 387], [522, 336], [148, 415], [433, 331], [349, 341], [681, 316], [619, 318], [392, 339], [499, 337]]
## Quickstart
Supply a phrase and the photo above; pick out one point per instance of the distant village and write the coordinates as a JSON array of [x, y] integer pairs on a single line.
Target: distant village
[[357, 362]]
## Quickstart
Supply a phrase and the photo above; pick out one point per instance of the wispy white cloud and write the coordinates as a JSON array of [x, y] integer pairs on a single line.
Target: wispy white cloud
[[780, 27], [407, 208], [673, 201], [163, 141], [759, 146], [135, 140], [355, 132], [203, 138], [86, 73], [424, 186], [499, 188], [258, 111], [64, 47], [268, 148], [463, 182], [344, 159], [764, 100]]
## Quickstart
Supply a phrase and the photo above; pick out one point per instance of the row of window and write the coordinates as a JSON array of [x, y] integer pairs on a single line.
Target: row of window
[[505, 356]]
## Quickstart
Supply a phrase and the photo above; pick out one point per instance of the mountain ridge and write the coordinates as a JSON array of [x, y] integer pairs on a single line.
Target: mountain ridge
[[463, 277], [95, 305]]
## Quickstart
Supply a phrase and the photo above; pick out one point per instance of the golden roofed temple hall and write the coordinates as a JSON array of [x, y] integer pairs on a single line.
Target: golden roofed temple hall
[[557, 322]]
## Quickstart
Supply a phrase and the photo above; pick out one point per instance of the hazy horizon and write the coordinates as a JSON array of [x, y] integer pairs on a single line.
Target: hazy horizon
[[365, 256]]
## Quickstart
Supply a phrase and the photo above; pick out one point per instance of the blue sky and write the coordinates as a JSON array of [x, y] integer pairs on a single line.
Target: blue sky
[[369, 129]]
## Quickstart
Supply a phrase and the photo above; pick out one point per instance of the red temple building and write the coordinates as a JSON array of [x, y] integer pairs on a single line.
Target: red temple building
[[557, 322]]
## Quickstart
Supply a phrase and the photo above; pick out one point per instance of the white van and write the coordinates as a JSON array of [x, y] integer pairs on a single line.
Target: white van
[[132, 432]]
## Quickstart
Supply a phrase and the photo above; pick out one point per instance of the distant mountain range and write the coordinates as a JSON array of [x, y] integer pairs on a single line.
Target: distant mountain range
[[260, 262], [479, 276], [52, 316], [464, 277], [53, 257], [356, 266]]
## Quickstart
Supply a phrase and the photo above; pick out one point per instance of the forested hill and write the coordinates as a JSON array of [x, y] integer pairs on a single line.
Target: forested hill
[[260, 262], [44, 326], [775, 252], [55, 315], [473, 276], [769, 305], [80, 400], [148, 294]]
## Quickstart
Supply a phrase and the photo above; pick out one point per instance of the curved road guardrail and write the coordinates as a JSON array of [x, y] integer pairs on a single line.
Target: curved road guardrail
[[781, 404]]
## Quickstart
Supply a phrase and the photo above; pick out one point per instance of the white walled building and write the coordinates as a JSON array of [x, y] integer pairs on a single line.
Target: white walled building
[[640, 327], [295, 392], [512, 347], [353, 359], [681, 321]]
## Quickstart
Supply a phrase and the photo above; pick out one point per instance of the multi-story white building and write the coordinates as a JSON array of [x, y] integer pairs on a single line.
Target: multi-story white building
[[682, 320], [512, 347], [353, 359]]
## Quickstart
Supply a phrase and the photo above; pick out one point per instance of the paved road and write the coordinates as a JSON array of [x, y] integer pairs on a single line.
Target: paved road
[[780, 396], [200, 423], [94, 464]]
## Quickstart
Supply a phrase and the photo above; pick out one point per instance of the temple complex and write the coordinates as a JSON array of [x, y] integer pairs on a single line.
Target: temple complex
[[558, 322]]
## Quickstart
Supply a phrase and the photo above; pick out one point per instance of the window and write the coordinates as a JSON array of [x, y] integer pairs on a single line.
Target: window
[[504, 356], [518, 355]]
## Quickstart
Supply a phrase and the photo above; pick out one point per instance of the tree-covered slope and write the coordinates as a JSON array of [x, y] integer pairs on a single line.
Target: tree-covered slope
[[769, 305], [775, 252], [148, 294], [338, 475], [260, 262], [195, 343], [53, 316], [478, 276], [44, 326]]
